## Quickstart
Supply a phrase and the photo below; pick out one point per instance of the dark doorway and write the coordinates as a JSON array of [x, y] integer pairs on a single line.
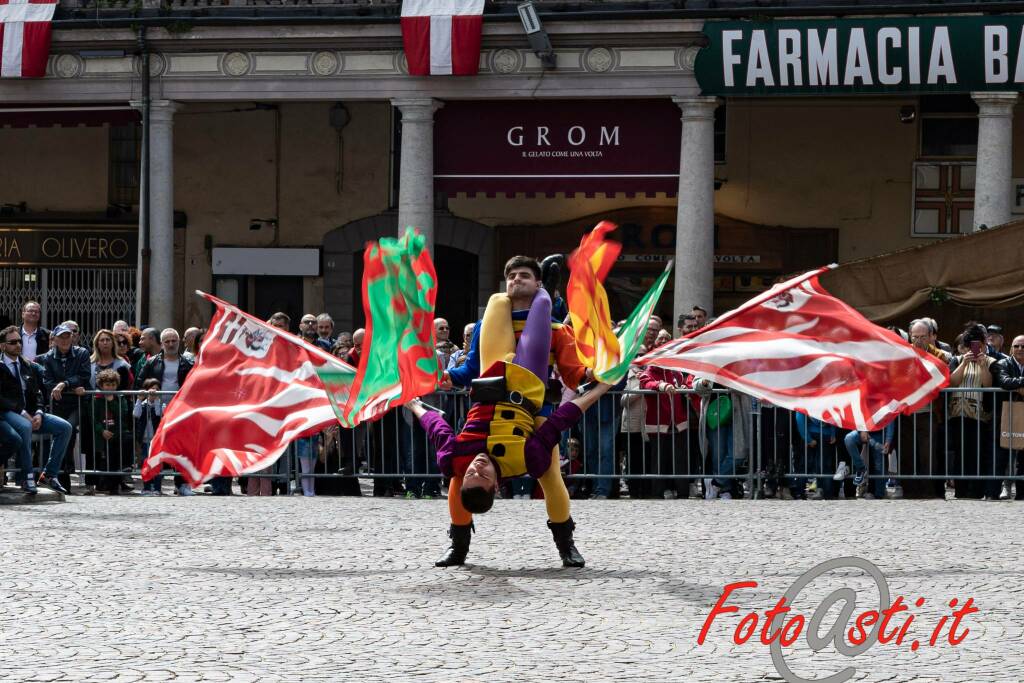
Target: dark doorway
[[458, 275], [277, 293]]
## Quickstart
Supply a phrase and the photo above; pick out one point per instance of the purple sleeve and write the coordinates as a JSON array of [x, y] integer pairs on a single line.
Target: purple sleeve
[[441, 438], [538, 446]]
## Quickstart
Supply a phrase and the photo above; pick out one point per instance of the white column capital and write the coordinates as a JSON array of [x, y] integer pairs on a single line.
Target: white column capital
[[160, 111], [417, 108], [995, 103], [697, 107]]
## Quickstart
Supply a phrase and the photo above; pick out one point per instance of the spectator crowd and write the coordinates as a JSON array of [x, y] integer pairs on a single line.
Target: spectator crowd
[[97, 403]]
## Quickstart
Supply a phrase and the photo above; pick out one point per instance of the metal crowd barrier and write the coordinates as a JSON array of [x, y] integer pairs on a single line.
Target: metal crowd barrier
[[964, 436], [761, 449]]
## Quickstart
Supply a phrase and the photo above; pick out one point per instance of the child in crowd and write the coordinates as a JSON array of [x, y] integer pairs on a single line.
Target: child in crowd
[[112, 433], [147, 412], [572, 464]]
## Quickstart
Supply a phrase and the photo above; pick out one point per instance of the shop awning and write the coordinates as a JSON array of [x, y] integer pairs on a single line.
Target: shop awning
[[981, 270], [549, 147], [14, 116]]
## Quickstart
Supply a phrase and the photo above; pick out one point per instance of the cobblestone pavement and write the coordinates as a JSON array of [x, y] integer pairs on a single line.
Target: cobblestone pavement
[[297, 589]]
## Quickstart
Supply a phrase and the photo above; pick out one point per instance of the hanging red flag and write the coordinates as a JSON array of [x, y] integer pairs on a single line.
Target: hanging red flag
[[25, 37], [442, 37]]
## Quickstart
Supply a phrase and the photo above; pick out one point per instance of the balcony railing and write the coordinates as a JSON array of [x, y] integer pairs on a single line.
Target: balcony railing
[[388, 6], [79, 9]]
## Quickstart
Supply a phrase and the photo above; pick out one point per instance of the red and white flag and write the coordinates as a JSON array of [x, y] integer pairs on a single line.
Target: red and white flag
[[800, 348], [442, 37], [253, 390], [25, 37]]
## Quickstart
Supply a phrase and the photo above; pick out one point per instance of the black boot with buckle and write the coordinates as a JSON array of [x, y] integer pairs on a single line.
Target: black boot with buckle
[[562, 532], [456, 554]]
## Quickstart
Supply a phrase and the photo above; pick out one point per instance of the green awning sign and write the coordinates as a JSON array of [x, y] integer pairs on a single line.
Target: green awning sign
[[948, 54]]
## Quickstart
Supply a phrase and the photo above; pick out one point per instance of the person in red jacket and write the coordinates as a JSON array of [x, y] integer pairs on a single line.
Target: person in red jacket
[[667, 421]]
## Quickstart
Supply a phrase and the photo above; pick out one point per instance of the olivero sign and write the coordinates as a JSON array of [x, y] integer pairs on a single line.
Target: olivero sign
[[844, 56], [68, 246]]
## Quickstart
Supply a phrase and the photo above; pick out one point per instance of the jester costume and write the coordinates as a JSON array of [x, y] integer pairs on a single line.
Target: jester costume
[[505, 422]]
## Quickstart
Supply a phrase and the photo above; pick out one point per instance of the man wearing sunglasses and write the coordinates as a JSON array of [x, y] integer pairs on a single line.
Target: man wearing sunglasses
[[21, 403]]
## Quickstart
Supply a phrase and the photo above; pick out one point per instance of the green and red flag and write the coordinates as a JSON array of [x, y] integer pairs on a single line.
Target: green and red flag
[[398, 362], [597, 346]]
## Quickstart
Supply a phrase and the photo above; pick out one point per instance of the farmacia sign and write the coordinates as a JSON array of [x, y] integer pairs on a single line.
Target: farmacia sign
[[878, 55]]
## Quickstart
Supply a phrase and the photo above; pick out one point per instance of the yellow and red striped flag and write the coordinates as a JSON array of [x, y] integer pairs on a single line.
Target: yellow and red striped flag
[[596, 344]]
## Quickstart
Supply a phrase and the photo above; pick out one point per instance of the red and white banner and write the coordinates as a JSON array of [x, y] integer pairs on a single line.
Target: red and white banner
[[25, 37], [442, 37], [253, 390], [800, 348]]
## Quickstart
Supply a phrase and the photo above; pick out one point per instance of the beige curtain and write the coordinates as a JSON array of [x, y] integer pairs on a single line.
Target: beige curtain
[[984, 269]]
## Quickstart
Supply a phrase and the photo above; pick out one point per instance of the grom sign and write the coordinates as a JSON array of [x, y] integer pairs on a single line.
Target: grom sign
[[878, 55], [68, 245], [550, 146]]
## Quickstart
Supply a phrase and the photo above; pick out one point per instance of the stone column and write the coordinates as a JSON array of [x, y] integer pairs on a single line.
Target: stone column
[[695, 218], [161, 216], [416, 177], [161, 212], [993, 191]]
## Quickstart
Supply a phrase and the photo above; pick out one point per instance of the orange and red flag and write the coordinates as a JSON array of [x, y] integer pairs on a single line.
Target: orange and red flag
[[596, 344]]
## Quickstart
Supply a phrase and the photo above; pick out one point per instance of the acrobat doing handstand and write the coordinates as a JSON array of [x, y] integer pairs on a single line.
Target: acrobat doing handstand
[[503, 435]]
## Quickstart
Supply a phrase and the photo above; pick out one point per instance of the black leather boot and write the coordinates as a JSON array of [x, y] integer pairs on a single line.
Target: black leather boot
[[457, 551], [563, 541], [551, 271]]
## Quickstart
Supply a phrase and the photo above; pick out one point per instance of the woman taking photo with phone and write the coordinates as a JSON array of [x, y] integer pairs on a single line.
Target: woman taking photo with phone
[[971, 446]]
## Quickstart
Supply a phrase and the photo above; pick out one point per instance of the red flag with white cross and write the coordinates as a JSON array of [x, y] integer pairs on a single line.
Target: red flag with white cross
[[442, 37], [25, 37]]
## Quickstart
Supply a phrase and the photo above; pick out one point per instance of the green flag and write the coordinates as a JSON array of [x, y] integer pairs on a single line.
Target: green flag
[[631, 335]]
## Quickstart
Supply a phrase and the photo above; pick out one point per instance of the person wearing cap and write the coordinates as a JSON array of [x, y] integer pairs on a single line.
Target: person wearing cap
[[76, 332], [22, 408], [66, 373], [994, 339]]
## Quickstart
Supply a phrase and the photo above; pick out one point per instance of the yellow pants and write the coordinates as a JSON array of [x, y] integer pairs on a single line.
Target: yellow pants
[[498, 343], [497, 338]]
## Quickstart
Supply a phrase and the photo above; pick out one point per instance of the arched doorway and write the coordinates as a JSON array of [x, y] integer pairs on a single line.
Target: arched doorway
[[463, 257]]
